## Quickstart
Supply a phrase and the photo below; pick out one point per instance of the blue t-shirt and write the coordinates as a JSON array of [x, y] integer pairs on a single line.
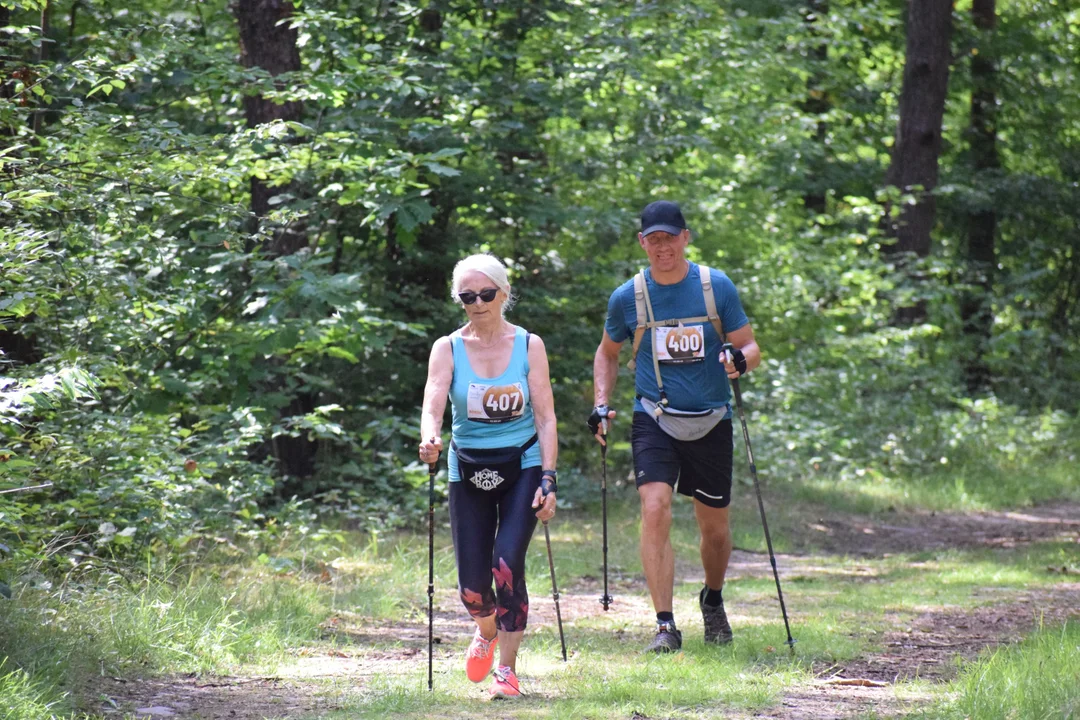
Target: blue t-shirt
[[491, 412], [694, 377]]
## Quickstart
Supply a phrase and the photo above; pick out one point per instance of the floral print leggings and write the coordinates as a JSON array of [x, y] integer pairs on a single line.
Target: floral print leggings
[[492, 530]]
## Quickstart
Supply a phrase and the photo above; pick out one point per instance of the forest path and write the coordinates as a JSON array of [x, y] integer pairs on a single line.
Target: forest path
[[320, 681]]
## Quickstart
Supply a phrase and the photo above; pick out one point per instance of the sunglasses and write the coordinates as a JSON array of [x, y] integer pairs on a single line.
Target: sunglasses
[[469, 297], [661, 238]]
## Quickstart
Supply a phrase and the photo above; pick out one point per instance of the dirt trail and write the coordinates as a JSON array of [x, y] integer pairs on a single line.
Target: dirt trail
[[318, 682]]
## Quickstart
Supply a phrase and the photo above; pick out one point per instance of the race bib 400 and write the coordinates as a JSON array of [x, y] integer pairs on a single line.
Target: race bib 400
[[682, 344], [495, 403]]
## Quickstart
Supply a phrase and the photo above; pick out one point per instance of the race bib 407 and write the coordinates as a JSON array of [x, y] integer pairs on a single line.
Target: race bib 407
[[495, 403]]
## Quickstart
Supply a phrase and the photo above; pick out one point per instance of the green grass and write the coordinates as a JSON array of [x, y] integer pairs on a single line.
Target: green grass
[[1038, 679], [595, 684], [962, 484], [840, 609], [178, 622], [253, 614], [22, 698]]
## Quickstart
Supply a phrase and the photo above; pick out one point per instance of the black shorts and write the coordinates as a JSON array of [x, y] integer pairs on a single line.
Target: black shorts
[[701, 467]]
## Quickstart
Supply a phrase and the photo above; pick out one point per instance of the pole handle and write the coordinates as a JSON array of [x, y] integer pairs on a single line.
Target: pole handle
[[433, 467]]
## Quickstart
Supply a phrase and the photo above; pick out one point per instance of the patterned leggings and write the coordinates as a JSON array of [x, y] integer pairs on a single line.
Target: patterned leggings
[[491, 531]]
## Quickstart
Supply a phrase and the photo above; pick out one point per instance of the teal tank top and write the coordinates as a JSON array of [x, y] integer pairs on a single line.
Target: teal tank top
[[491, 412]]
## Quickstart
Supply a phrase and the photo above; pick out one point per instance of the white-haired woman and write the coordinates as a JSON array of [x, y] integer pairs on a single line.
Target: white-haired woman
[[502, 459]]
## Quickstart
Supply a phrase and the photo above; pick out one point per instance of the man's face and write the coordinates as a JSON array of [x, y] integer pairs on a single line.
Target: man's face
[[666, 252]]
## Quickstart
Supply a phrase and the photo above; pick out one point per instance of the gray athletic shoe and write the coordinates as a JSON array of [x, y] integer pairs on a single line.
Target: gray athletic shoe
[[717, 629], [667, 639]]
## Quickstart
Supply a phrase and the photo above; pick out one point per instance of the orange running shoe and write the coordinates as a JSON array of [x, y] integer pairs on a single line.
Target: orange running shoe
[[506, 684], [480, 656]]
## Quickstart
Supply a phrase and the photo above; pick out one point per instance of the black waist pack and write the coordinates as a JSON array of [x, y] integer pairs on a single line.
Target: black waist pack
[[488, 468]]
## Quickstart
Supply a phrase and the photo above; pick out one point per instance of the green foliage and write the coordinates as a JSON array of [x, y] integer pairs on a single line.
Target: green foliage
[[179, 377], [184, 383]]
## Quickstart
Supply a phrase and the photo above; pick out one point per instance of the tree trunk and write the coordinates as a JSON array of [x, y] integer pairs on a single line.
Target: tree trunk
[[7, 85], [15, 346], [817, 103], [914, 167], [268, 43], [976, 310], [43, 55]]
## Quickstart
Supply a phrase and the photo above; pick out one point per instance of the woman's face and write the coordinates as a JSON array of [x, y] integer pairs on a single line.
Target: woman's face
[[474, 284]]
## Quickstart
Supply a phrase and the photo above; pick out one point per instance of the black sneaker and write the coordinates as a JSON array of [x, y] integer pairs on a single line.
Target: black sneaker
[[717, 629], [667, 639]]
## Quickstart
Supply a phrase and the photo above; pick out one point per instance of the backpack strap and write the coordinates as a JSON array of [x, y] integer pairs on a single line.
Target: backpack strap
[[453, 360], [710, 301], [641, 295], [655, 360], [645, 321]]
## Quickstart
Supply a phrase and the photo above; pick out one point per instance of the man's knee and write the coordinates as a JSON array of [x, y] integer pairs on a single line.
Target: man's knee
[[716, 535], [655, 503], [713, 524]]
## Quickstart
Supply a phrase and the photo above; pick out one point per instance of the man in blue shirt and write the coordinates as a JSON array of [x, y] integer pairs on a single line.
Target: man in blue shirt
[[681, 432]]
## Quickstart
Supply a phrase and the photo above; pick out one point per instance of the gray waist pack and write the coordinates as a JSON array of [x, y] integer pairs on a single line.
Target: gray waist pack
[[681, 425]]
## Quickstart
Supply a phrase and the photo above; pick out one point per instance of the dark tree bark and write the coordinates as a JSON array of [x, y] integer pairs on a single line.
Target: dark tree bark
[[71, 20], [43, 55], [16, 346], [817, 103], [267, 42], [914, 167], [976, 310], [270, 44], [432, 264], [7, 87], [922, 105]]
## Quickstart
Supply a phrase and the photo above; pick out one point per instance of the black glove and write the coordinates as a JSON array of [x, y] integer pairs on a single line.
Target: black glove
[[599, 414], [548, 485], [737, 358]]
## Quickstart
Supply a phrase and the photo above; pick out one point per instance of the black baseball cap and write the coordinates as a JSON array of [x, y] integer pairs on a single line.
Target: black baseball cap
[[662, 215]]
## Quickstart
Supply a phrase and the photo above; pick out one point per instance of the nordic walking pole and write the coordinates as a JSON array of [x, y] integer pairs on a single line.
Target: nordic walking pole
[[432, 470], [761, 505], [554, 588], [606, 599]]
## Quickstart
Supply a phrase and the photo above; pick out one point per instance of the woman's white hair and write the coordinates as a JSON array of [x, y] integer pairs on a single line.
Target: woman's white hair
[[491, 267]]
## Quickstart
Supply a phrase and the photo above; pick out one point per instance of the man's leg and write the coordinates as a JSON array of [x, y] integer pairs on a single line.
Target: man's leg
[[708, 475], [657, 556], [715, 543], [656, 465]]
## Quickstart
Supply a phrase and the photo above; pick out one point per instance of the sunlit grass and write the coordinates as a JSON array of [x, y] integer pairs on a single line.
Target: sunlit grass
[[176, 622], [603, 679], [22, 698], [955, 486], [840, 609], [253, 614], [1039, 679]]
